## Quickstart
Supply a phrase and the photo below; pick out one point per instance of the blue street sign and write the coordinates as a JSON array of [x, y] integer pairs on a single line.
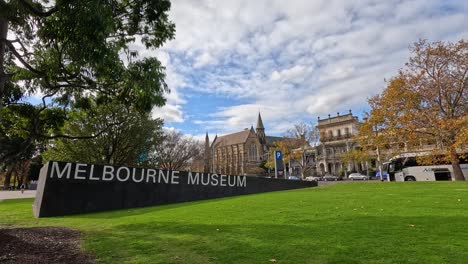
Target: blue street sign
[[278, 155]]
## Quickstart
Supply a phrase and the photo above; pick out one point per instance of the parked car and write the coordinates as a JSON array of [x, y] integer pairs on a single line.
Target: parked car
[[385, 175], [331, 178], [294, 178], [313, 178], [358, 176]]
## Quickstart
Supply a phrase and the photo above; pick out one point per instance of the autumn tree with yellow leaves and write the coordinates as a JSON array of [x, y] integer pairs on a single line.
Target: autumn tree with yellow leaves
[[295, 146], [427, 101], [285, 146]]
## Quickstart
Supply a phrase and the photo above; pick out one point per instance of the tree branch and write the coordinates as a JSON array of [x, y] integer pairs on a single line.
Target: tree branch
[[20, 58], [79, 137], [30, 7]]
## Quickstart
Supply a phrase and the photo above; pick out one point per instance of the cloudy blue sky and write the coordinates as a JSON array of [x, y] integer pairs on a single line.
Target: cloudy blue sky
[[292, 60]]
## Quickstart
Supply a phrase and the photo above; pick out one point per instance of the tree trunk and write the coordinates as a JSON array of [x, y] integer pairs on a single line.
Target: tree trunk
[[3, 76], [6, 182], [457, 171], [16, 181]]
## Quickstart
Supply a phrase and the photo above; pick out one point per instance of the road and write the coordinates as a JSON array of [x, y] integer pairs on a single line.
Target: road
[[5, 195]]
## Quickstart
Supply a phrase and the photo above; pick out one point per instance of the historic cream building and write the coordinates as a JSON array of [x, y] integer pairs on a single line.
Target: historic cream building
[[336, 137], [239, 153]]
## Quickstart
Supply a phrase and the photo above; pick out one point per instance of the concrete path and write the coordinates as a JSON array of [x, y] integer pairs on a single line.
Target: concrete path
[[5, 195]]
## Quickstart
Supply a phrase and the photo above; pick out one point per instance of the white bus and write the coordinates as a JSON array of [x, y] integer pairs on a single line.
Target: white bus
[[406, 168]]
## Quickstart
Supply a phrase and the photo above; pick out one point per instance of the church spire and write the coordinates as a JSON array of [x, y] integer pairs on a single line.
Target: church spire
[[260, 122], [260, 130]]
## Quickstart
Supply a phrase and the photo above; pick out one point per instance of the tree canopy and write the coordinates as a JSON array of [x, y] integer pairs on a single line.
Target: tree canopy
[[176, 152], [353, 157], [70, 53], [303, 137], [120, 137], [426, 103], [295, 146], [70, 49]]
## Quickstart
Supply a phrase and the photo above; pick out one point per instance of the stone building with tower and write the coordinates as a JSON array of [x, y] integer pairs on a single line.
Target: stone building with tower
[[239, 153]]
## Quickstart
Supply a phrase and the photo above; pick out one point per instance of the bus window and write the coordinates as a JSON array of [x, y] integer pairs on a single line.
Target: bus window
[[410, 162], [397, 165]]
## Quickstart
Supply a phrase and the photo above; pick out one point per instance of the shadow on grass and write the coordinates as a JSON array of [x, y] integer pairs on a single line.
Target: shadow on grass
[[116, 214], [348, 240]]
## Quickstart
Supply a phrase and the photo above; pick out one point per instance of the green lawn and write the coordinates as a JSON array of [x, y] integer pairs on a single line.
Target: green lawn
[[343, 223]]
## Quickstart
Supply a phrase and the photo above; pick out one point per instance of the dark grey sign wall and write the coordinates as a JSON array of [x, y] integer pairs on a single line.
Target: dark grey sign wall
[[72, 188]]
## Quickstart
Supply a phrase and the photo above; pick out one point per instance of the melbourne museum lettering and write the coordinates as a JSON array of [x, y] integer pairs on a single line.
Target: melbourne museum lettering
[[125, 174], [71, 188]]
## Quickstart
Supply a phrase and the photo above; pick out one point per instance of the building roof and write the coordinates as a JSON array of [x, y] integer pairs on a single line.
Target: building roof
[[232, 139], [337, 120]]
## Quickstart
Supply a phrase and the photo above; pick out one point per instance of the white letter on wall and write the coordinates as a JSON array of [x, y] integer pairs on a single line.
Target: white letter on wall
[[108, 170], [55, 168], [78, 170], [126, 177], [193, 179], [151, 173]]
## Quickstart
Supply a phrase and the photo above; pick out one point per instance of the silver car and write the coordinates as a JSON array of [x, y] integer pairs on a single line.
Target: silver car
[[313, 178], [358, 176]]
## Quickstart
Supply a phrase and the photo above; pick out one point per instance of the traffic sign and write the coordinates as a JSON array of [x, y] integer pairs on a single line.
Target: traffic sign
[[278, 155]]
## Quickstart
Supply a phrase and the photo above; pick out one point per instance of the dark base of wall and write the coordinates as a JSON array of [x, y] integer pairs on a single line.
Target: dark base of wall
[[63, 196]]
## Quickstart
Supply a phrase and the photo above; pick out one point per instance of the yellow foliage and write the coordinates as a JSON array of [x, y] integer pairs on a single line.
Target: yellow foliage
[[425, 102]]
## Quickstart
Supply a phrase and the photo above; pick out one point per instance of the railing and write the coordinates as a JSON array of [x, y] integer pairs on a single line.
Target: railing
[[333, 138]]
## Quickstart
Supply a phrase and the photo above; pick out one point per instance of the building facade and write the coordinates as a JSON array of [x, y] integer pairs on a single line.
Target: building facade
[[239, 153], [336, 137], [242, 153]]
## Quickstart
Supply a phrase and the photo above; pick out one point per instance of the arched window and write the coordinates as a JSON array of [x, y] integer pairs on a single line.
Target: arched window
[[339, 132], [330, 134], [253, 151], [347, 131]]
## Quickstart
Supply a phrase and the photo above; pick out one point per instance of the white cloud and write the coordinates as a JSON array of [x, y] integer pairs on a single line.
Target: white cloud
[[296, 60], [290, 74], [170, 113], [204, 59]]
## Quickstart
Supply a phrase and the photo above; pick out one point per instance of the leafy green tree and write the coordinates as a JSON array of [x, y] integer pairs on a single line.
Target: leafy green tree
[[67, 51], [15, 148], [119, 136]]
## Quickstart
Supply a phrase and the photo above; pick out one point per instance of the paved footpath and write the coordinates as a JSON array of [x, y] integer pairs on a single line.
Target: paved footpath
[[5, 195]]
